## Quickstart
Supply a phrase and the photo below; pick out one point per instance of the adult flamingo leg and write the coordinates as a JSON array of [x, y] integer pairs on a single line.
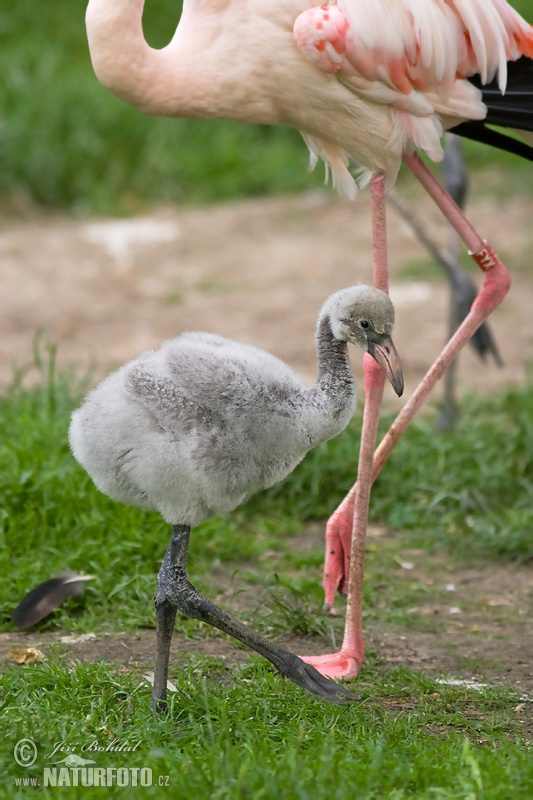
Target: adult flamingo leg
[[339, 529], [496, 283], [347, 662], [352, 516]]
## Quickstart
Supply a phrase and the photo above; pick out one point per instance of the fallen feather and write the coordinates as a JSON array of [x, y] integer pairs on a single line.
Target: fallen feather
[[47, 596], [149, 677]]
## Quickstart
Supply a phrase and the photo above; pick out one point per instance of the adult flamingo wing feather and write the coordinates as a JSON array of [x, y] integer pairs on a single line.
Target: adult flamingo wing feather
[[416, 57]]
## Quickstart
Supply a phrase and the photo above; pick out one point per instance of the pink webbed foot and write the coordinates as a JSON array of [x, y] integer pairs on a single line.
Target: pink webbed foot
[[338, 547], [336, 665]]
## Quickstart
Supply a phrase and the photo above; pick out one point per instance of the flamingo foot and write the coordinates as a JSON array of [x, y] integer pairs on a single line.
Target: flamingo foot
[[336, 665], [338, 548]]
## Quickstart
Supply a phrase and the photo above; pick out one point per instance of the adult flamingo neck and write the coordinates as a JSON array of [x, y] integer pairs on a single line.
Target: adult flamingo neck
[[123, 61]]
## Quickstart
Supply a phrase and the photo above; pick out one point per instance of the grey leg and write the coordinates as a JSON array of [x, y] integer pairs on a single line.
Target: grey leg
[[165, 613], [175, 591]]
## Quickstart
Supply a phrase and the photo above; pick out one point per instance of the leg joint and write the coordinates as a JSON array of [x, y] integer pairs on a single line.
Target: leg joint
[[185, 598]]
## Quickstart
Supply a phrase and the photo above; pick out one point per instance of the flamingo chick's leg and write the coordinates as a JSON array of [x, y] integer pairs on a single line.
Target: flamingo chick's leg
[[495, 286], [352, 514], [175, 591]]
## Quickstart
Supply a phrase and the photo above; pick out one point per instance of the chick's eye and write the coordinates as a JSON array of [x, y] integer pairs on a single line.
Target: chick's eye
[[364, 323]]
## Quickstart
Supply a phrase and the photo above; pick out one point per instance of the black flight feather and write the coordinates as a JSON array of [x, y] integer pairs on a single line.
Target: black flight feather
[[514, 109], [46, 597]]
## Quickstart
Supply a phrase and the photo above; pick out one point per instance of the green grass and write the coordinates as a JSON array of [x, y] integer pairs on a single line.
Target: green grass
[[241, 731], [256, 737], [66, 143]]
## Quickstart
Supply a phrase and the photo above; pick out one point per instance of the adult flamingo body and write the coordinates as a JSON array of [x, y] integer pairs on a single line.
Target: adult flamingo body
[[363, 80]]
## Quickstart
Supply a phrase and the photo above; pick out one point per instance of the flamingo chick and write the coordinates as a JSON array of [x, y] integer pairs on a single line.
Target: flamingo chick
[[193, 428]]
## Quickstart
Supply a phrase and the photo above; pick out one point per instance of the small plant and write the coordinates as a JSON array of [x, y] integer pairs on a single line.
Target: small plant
[[290, 611]]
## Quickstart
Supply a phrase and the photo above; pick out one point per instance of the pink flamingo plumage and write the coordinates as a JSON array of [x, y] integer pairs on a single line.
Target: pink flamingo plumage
[[367, 83]]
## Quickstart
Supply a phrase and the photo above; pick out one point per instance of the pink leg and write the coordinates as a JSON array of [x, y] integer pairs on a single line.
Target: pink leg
[[495, 286], [339, 531], [352, 515], [340, 526], [347, 662]]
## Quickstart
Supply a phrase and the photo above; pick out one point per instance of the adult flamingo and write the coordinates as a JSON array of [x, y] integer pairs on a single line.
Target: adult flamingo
[[366, 82]]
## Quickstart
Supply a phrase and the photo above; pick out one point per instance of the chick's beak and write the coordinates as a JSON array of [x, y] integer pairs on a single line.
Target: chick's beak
[[382, 349]]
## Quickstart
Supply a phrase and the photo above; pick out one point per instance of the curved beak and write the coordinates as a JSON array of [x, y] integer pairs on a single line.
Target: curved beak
[[382, 350]]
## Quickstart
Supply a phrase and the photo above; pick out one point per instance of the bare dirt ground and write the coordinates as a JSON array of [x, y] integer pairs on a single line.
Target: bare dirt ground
[[255, 271], [258, 272]]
